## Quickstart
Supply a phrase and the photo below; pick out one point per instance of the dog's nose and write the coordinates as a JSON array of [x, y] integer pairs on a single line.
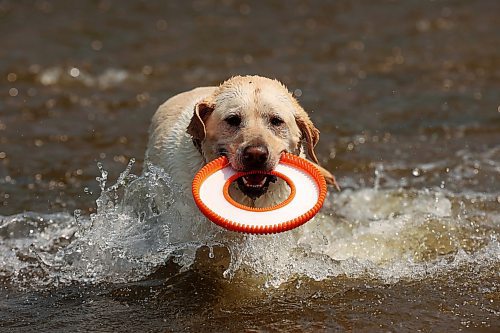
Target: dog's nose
[[255, 157]]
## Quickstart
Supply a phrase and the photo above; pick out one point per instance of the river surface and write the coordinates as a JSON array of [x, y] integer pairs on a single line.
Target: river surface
[[406, 95]]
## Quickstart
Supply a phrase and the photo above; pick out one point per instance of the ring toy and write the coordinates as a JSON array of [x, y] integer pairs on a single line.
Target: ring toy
[[307, 193]]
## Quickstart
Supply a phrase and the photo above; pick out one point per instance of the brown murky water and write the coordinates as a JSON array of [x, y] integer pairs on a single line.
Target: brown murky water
[[406, 95]]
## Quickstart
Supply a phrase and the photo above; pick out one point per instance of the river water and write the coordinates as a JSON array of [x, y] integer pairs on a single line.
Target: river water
[[406, 95]]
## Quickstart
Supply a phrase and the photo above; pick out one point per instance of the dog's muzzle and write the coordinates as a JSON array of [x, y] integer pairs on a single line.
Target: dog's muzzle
[[255, 157]]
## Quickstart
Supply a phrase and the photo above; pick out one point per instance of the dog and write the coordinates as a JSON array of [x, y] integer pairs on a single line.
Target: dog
[[251, 120]]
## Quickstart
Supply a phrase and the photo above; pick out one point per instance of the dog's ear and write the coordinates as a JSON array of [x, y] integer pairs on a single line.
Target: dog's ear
[[311, 134], [196, 127]]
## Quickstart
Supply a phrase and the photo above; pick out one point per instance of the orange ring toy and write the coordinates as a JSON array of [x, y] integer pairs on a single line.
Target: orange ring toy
[[307, 193]]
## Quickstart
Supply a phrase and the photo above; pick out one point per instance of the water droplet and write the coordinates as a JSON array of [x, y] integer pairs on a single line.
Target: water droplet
[[13, 92], [11, 77], [147, 70], [245, 9], [96, 45], [104, 176], [248, 59], [378, 175], [161, 25], [423, 25], [74, 72]]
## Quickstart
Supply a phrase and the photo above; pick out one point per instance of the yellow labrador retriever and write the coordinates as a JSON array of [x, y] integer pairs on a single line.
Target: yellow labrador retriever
[[250, 119]]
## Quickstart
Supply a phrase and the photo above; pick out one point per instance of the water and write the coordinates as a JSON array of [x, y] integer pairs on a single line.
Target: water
[[406, 98]]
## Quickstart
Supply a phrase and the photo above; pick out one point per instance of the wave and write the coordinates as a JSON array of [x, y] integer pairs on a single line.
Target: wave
[[144, 222]]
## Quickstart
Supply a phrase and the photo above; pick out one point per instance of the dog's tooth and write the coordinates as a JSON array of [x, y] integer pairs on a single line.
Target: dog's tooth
[[259, 185]]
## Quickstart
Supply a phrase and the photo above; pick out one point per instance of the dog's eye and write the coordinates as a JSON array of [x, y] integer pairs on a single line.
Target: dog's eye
[[233, 120], [276, 121]]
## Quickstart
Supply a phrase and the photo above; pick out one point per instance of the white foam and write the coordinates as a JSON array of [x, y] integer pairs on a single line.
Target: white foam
[[109, 78], [144, 221]]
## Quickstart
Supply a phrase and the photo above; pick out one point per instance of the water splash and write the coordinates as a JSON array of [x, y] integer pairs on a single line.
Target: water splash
[[143, 222], [111, 77]]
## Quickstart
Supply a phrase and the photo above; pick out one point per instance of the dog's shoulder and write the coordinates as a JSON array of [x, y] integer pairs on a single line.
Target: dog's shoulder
[[169, 146], [173, 109]]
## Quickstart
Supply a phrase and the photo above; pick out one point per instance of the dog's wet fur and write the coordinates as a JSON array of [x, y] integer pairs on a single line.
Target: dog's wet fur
[[251, 120]]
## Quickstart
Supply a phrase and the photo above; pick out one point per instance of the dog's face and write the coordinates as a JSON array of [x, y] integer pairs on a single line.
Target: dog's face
[[252, 120]]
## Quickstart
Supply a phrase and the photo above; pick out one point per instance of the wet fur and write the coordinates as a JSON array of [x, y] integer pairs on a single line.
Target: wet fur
[[190, 129]]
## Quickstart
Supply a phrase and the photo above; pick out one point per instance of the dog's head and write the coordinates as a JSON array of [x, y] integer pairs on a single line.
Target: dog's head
[[252, 120]]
